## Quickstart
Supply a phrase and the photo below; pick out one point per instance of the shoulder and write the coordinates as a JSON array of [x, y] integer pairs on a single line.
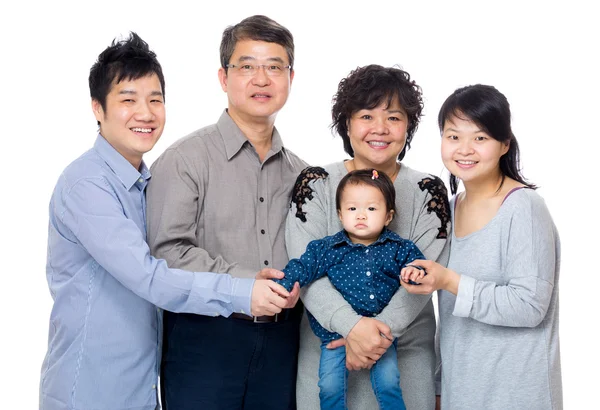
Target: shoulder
[[526, 201], [89, 166], [189, 148], [197, 138], [304, 189], [422, 183], [295, 161]]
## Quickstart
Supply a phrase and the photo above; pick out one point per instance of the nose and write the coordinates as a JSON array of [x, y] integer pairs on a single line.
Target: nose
[[361, 214], [261, 78], [465, 147], [379, 126], [144, 112]]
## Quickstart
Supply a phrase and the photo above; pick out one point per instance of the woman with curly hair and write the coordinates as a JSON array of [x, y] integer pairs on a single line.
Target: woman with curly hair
[[376, 112]]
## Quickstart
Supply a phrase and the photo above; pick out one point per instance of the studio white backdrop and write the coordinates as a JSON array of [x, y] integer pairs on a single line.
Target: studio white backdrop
[[541, 55]]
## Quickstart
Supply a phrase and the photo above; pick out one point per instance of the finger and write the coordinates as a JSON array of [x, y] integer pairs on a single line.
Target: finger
[[419, 262], [270, 273], [334, 344], [278, 289]]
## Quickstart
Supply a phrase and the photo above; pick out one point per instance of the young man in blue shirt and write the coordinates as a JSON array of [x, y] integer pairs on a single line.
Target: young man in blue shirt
[[105, 328]]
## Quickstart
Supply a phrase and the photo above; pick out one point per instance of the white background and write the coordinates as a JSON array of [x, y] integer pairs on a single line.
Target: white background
[[542, 56]]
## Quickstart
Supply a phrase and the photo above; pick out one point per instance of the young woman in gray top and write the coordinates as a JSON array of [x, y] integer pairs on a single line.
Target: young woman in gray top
[[498, 302], [376, 112]]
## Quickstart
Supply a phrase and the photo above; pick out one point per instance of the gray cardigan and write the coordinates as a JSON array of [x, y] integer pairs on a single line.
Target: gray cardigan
[[424, 218]]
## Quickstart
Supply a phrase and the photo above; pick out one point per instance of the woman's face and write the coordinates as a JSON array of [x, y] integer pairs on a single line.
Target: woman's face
[[378, 135], [469, 153]]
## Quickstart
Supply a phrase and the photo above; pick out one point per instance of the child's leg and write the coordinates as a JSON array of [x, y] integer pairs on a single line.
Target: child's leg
[[385, 378], [333, 377]]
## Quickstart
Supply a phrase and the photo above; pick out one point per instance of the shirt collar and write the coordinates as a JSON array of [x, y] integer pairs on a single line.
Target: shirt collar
[[342, 237], [126, 173], [234, 138]]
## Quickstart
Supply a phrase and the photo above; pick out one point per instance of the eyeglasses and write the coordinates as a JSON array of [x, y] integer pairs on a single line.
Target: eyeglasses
[[272, 70]]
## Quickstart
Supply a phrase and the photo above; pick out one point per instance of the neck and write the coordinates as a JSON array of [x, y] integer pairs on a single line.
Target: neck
[[259, 131], [479, 191]]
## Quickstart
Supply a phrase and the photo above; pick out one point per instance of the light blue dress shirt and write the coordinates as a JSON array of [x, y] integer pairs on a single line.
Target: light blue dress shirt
[[105, 327]]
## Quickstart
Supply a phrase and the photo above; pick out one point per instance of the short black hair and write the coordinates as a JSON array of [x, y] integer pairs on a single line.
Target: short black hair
[[257, 28], [368, 87], [127, 59], [370, 177]]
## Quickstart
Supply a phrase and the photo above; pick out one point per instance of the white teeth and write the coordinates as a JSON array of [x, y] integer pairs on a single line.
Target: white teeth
[[466, 162], [378, 143], [146, 130]]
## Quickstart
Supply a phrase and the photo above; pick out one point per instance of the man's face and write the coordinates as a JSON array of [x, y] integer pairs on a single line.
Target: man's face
[[256, 96], [134, 117]]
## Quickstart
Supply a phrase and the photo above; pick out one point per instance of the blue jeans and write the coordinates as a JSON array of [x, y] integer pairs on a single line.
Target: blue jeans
[[333, 378]]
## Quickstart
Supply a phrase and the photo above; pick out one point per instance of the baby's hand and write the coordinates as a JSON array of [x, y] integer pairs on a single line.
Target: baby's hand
[[412, 274]]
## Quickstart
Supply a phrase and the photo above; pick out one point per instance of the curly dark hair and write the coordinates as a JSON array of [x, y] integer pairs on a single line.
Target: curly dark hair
[[368, 87]]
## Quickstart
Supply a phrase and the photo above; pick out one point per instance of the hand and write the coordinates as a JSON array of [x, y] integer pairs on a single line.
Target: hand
[[438, 277], [366, 343], [270, 273], [268, 297], [412, 273]]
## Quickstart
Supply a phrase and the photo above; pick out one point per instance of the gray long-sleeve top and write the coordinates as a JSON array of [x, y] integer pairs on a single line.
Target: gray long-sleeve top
[[423, 217], [499, 335]]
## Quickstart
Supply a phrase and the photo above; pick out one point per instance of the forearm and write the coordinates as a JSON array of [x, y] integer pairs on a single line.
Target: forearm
[[329, 307], [402, 310]]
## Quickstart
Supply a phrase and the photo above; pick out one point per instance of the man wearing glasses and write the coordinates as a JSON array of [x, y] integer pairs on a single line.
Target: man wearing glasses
[[218, 202]]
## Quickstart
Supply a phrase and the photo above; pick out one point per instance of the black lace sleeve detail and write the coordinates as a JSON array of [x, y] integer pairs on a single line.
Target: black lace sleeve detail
[[302, 191], [438, 202]]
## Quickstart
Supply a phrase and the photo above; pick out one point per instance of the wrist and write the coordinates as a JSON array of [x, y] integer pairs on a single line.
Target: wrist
[[452, 281]]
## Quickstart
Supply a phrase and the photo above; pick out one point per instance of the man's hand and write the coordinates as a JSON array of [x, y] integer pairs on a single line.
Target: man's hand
[[366, 343], [270, 273], [268, 298]]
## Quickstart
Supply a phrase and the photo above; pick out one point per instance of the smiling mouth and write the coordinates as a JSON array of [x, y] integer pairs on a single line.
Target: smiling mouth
[[378, 143], [466, 162], [261, 96], [142, 130]]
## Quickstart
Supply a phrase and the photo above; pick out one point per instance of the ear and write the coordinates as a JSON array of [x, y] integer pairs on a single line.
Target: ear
[[223, 79], [339, 213], [97, 109], [505, 147], [389, 218], [292, 76]]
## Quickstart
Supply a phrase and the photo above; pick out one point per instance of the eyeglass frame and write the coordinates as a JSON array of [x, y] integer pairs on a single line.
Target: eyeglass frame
[[257, 67]]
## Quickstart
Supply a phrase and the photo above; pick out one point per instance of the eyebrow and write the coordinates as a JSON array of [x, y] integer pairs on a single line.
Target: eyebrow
[[455, 130], [133, 92], [250, 58]]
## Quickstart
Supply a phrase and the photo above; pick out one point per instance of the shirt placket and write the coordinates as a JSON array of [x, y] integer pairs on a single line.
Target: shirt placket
[[262, 221]]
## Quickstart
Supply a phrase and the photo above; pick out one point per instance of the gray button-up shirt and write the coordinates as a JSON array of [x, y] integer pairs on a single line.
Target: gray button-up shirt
[[213, 206]]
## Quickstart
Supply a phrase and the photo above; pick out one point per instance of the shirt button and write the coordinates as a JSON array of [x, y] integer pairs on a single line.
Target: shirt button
[[154, 386], [262, 199], [262, 231], [372, 297], [367, 251], [141, 180], [266, 262], [368, 273]]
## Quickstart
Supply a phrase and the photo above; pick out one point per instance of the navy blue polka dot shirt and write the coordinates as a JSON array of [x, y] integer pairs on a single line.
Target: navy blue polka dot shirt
[[366, 276]]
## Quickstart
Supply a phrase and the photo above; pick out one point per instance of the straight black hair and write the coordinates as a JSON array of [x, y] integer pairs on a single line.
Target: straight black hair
[[489, 109]]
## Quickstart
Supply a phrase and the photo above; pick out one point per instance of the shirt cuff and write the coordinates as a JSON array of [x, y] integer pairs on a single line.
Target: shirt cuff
[[241, 297], [464, 297], [344, 319]]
